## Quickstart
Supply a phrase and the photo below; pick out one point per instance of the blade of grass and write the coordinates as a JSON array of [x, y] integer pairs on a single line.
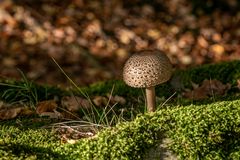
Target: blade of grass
[[70, 80]]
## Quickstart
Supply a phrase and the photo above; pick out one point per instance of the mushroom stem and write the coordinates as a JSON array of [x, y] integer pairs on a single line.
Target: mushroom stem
[[151, 99]]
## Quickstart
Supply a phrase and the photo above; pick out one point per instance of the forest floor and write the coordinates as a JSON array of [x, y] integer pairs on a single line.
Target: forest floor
[[44, 122], [91, 40]]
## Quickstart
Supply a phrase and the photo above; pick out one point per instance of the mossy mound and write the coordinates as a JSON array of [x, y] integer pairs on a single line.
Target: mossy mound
[[196, 132], [27, 144]]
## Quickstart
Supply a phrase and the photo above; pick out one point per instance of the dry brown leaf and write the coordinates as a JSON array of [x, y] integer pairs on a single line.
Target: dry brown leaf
[[202, 42], [215, 87], [153, 33], [217, 49], [125, 36], [100, 101], [118, 99], [121, 54], [217, 37], [10, 113], [207, 89], [196, 94], [46, 106], [74, 103], [103, 101]]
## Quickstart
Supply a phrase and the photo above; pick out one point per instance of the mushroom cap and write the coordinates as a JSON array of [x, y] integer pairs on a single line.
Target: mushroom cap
[[147, 69]]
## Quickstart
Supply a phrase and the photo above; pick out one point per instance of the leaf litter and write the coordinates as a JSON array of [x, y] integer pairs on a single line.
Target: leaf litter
[[207, 89], [10, 111], [91, 40], [66, 109]]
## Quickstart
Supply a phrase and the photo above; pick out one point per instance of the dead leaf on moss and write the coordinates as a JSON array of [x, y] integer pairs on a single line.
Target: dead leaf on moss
[[207, 89], [118, 99], [74, 103], [46, 106], [70, 134], [103, 101], [10, 113], [100, 101]]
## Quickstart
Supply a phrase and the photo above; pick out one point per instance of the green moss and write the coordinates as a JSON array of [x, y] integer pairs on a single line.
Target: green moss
[[198, 132], [206, 131], [27, 144], [226, 72]]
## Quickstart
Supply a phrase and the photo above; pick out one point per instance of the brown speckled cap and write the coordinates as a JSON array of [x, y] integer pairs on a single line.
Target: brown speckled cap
[[147, 69]]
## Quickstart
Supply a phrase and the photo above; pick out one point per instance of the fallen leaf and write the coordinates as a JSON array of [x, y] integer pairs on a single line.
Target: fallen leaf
[[46, 106], [10, 113], [70, 134], [215, 87], [207, 89], [125, 36], [202, 42], [217, 37], [122, 54], [118, 99], [217, 49], [103, 101], [196, 94], [100, 101], [153, 33], [74, 103]]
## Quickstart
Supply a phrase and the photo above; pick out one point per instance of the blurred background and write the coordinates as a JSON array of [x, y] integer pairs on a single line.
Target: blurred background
[[91, 39]]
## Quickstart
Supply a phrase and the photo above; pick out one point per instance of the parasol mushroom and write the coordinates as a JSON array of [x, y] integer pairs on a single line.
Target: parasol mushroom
[[146, 70]]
